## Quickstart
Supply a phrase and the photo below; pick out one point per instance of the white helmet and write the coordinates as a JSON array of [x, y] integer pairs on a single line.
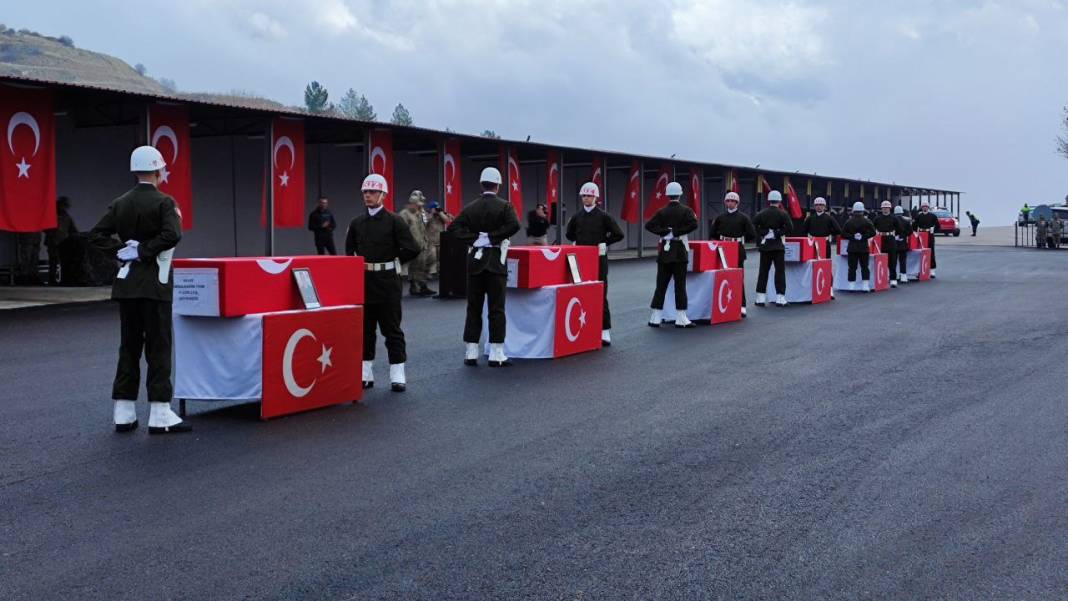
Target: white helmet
[[885, 205], [673, 189], [774, 196], [820, 201], [732, 196], [924, 203], [145, 159], [898, 210], [375, 183], [490, 175], [590, 189], [858, 207]]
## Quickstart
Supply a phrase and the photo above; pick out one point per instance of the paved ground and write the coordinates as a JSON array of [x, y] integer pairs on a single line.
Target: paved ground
[[911, 444]]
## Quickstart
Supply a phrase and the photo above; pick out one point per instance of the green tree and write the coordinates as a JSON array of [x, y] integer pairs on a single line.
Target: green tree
[[489, 133], [401, 116], [315, 97], [1062, 141], [364, 111], [350, 104]]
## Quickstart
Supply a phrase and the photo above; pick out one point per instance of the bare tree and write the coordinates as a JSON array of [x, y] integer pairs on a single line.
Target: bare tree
[[1062, 141]]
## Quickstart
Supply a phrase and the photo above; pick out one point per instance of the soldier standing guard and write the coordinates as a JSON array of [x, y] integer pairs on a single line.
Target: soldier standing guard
[[149, 226], [859, 230], [887, 226], [925, 221], [904, 230], [823, 227], [734, 226], [385, 243], [771, 225], [486, 225], [592, 226], [672, 223]]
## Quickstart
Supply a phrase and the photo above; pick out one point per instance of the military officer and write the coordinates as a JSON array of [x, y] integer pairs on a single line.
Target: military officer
[[734, 226], [672, 223], [385, 243], [859, 230], [927, 222], [822, 226], [888, 228], [592, 226], [486, 225], [419, 268], [149, 226], [771, 225], [904, 231]]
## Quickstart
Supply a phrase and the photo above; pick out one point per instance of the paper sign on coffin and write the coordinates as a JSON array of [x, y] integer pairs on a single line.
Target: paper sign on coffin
[[878, 266], [553, 321], [801, 249], [229, 287], [918, 264], [291, 360], [714, 296], [704, 255], [808, 282], [539, 266]]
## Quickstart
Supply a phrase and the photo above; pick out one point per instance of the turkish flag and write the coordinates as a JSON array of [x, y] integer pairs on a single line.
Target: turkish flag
[[696, 177], [793, 201], [727, 296], [27, 161], [822, 280], [881, 271], [552, 182], [311, 359], [453, 182], [168, 127], [579, 315], [597, 175], [732, 182], [762, 185], [380, 161], [631, 203], [287, 159], [658, 197], [515, 184]]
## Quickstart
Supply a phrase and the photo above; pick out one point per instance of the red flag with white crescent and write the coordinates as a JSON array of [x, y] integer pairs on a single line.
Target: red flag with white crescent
[[168, 131], [381, 161], [597, 175], [579, 315], [732, 182], [793, 201], [287, 159], [27, 161], [515, 184], [552, 183], [763, 187], [658, 196], [632, 203], [453, 181], [696, 177]]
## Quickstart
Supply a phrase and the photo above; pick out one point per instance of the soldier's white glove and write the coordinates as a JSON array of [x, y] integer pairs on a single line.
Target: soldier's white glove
[[858, 236], [602, 249], [483, 240], [770, 235], [668, 236], [128, 252]]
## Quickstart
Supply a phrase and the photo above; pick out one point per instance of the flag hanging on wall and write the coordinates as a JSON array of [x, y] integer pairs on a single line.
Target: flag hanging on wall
[[453, 179], [696, 177], [27, 161], [168, 131], [552, 182], [632, 202], [658, 195], [380, 161]]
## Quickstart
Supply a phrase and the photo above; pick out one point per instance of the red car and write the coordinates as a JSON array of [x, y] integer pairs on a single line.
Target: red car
[[947, 223]]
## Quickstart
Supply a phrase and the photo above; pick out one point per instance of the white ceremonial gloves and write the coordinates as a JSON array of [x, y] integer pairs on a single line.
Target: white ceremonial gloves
[[770, 235], [668, 236], [128, 252], [483, 240], [858, 236], [602, 249]]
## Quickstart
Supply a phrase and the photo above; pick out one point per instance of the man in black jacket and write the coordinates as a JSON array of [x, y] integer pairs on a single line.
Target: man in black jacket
[[925, 221], [672, 223], [904, 231], [771, 225], [149, 226], [322, 225], [486, 225], [824, 227], [859, 230], [592, 226], [734, 226], [385, 243], [538, 226], [888, 228]]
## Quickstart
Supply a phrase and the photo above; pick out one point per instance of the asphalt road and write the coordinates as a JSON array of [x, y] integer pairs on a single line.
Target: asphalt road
[[905, 445]]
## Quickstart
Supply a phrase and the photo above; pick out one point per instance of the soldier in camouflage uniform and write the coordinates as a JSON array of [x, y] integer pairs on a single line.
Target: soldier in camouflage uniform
[[414, 217]]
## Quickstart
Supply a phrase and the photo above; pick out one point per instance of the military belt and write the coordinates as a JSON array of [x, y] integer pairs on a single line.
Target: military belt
[[389, 266]]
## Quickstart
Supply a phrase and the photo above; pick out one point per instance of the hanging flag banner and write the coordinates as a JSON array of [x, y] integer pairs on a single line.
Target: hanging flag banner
[[168, 131], [597, 175], [732, 182], [287, 159], [380, 161], [27, 161], [515, 184], [696, 177], [552, 182], [658, 196], [632, 202], [453, 180], [792, 200]]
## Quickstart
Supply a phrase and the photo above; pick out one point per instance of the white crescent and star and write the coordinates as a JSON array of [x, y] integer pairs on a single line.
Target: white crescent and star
[[511, 164], [596, 175], [449, 160], [23, 118], [550, 254], [567, 319], [273, 267], [284, 141], [165, 131], [287, 363], [659, 192], [820, 283], [377, 152], [724, 285], [634, 176]]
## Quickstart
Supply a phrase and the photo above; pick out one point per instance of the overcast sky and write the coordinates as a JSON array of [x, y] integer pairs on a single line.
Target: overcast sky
[[949, 94]]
